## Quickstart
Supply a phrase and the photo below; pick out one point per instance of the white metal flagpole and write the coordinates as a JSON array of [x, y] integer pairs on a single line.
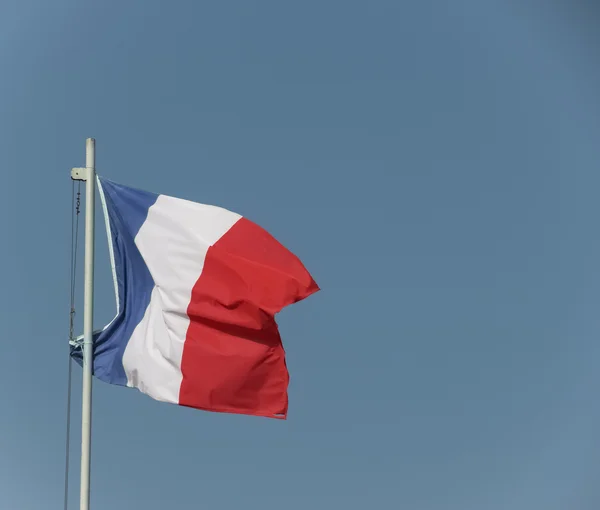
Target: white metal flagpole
[[89, 175]]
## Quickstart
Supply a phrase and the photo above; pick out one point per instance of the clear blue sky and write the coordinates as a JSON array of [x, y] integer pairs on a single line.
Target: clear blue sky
[[436, 165]]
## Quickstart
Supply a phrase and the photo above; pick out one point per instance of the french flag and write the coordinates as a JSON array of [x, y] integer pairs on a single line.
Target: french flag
[[197, 290]]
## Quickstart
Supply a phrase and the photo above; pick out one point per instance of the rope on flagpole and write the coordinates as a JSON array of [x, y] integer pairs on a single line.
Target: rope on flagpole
[[75, 210]]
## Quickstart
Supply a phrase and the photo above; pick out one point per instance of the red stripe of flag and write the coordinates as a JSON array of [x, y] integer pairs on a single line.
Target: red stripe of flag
[[233, 359]]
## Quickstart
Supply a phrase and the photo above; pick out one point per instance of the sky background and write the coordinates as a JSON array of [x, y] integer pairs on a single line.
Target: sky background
[[436, 166]]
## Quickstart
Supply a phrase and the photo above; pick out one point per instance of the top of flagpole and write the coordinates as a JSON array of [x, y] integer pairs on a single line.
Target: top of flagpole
[[90, 153]]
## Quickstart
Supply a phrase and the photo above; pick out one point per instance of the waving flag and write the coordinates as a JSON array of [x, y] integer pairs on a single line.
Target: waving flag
[[197, 290]]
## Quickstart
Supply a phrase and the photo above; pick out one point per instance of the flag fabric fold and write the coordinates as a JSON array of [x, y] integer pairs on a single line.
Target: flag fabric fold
[[197, 290]]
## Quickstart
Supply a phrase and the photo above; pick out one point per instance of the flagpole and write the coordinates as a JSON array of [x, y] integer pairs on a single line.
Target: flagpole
[[88, 326]]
